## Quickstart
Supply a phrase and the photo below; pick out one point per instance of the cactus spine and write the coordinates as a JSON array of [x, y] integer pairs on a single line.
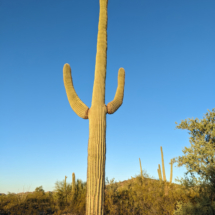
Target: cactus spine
[[163, 168], [97, 116], [73, 182]]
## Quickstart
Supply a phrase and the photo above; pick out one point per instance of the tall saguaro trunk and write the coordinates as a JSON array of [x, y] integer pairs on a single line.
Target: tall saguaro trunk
[[97, 116]]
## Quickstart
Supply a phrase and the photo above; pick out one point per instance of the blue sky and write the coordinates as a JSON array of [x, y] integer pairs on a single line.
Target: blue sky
[[167, 49]]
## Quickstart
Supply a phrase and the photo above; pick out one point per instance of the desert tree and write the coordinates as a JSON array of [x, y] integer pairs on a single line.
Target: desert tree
[[199, 158]]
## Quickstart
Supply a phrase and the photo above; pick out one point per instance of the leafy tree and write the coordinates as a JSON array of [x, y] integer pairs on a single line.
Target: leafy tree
[[200, 157], [40, 189]]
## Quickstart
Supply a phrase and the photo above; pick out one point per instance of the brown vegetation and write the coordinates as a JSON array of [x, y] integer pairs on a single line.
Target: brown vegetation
[[139, 195]]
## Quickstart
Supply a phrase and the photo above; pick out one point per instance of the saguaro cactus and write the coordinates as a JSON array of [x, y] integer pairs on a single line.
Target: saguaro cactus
[[97, 116], [159, 169], [159, 172], [73, 182], [65, 183], [163, 168], [141, 170], [65, 188], [171, 171]]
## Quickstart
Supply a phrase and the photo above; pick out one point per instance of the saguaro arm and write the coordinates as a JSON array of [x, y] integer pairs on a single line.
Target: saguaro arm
[[75, 102], [118, 99]]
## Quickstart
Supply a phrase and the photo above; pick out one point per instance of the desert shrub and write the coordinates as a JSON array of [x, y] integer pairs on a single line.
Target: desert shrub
[[111, 198], [27, 203], [39, 190], [8, 201], [201, 207], [68, 201], [154, 197], [139, 195], [78, 198], [143, 195], [203, 203], [61, 194]]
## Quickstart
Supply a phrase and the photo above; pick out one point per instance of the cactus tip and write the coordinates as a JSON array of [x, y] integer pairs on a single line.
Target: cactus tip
[[66, 66]]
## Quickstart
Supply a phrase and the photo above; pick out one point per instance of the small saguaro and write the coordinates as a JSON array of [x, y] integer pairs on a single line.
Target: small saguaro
[[171, 171], [65, 188], [97, 116], [73, 182], [163, 168], [65, 183], [159, 172], [141, 170]]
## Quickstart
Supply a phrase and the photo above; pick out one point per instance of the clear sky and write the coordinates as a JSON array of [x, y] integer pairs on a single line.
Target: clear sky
[[167, 49]]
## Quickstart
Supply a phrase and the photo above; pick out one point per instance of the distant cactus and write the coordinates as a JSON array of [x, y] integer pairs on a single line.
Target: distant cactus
[[159, 172], [141, 170], [65, 188], [163, 168], [73, 182], [65, 183], [171, 171]]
